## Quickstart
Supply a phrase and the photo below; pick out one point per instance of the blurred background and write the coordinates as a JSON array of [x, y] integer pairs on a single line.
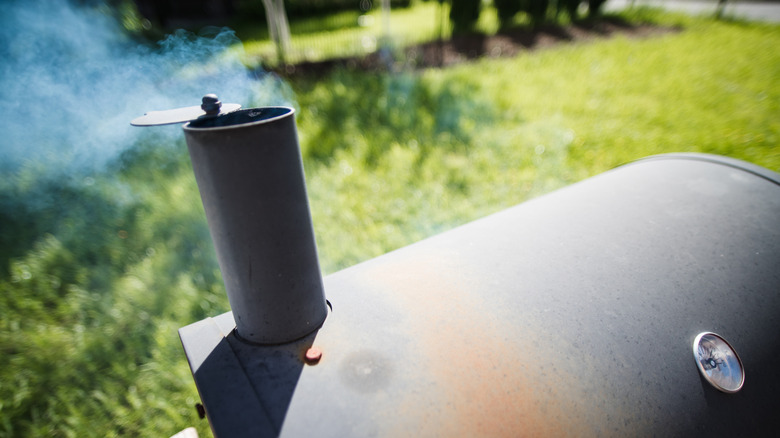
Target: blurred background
[[414, 117]]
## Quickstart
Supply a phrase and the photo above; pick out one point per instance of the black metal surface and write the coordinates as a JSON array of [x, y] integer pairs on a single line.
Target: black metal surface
[[569, 315], [250, 176]]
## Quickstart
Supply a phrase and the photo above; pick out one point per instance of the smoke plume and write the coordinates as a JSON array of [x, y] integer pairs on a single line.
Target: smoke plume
[[72, 79]]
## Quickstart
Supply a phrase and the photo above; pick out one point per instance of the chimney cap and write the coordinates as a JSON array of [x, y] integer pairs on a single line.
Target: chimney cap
[[211, 107]]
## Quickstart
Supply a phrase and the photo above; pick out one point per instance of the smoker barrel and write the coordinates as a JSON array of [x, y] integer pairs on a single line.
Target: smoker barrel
[[248, 167], [571, 314]]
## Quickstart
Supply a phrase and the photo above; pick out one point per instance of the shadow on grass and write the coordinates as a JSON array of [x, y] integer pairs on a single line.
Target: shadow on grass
[[392, 109]]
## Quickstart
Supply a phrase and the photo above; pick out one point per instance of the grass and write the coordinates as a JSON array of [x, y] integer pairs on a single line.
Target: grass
[[93, 296], [433, 149]]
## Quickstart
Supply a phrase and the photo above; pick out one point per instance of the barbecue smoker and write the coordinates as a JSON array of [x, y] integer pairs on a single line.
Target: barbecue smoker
[[633, 303]]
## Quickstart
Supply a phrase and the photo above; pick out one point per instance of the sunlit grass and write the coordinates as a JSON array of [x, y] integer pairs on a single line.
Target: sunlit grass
[[397, 157]]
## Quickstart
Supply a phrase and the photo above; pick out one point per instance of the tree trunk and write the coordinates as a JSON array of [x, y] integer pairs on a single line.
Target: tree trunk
[[278, 28]]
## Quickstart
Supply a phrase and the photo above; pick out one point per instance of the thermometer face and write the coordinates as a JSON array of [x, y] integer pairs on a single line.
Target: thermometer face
[[718, 362]]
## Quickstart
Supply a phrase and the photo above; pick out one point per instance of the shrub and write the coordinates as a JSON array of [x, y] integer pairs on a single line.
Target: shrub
[[537, 10], [506, 9], [464, 15], [570, 6], [594, 7]]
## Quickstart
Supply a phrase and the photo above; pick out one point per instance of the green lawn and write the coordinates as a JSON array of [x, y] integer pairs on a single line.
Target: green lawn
[[90, 309], [435, 148]]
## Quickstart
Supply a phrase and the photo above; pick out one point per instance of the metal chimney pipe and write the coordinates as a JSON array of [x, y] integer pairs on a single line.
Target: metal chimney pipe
[[250, 175]]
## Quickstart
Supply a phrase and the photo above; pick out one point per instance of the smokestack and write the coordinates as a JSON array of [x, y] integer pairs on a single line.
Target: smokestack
[[250, 175]]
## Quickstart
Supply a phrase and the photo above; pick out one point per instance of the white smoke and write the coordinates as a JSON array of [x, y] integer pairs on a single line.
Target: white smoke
[[71, 80]]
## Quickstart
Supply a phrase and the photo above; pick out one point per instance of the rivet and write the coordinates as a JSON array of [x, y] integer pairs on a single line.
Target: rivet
[[313, 355]]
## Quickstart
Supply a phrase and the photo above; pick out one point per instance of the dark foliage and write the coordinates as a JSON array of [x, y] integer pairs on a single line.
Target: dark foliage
[[594, 7], [570, 6], [464, 15], [537, 10], [309, 8], [507, 9]]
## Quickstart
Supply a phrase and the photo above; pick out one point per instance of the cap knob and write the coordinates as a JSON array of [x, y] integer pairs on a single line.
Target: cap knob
[[211, 104]]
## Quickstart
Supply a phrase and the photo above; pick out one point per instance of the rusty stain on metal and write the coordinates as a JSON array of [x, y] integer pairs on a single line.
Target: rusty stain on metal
[[312, 355], [494, 389]]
